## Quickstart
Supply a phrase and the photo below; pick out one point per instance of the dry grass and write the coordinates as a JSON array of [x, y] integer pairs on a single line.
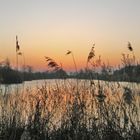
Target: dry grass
[[57, 112], [73, 109]]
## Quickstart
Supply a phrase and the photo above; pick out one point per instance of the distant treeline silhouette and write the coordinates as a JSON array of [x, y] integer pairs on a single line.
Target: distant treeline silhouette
[[10, 76], [128, 73]]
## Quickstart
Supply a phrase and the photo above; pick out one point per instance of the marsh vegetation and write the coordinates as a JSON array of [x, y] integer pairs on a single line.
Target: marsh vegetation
[[73, 109], [97, 110]]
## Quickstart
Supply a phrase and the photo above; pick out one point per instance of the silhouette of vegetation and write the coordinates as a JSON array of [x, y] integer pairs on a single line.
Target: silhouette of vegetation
[[130, 73], [8, 75], [93, 108]]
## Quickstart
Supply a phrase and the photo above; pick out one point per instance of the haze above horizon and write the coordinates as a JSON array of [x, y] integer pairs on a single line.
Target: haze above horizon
[[51, 27]]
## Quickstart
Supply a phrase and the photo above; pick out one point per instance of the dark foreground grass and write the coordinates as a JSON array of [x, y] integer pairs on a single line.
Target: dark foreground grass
[[93, 111]]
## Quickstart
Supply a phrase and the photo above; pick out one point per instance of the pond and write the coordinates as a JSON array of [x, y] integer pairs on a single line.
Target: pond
[[13, 88]]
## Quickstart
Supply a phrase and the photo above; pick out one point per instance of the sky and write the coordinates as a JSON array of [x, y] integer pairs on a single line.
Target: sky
[[51, 27]]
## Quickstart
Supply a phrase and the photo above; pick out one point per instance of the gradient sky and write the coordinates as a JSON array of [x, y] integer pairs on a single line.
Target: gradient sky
[[51, 27]]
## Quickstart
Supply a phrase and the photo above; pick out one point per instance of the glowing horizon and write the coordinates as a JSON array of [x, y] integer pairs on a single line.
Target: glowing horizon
[[50, 28]]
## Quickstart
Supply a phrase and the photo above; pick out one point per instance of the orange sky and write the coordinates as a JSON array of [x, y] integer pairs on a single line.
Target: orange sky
[[50, 28]]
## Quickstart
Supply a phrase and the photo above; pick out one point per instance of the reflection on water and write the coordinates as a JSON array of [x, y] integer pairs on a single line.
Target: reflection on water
[[33, 85]]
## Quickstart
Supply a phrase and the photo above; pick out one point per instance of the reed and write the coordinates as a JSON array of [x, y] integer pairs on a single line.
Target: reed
[[91, 109]]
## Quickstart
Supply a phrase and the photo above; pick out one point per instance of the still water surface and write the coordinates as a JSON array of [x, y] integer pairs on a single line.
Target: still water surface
[[35, 84]]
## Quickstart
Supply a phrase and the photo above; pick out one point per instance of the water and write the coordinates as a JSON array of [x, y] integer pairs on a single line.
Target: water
[[27, 85], [35, 84]]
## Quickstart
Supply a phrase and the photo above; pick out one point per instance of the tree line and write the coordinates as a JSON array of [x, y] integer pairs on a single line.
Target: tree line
[[8, 75]]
